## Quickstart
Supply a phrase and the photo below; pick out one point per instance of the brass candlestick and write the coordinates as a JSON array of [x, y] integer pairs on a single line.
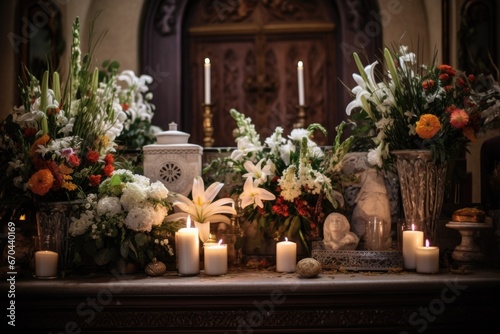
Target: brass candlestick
[[301, 117], [208, 129]]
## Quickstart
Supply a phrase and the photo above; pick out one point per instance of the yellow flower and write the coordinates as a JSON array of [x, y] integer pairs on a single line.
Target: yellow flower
[[427, 126], [41, 182], [68, 185]]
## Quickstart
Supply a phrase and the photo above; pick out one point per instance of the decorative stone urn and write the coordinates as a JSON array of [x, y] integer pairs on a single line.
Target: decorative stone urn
[[172, 160]]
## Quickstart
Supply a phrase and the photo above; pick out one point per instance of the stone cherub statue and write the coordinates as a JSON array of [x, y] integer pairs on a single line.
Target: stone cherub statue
[[336, 234]]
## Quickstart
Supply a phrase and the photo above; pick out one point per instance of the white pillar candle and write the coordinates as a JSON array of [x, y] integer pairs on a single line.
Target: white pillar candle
[[286, 256], [207, 81], [411, 240], [215, 258], [46, 264], [427, 259], [300, 76], [188, 250]]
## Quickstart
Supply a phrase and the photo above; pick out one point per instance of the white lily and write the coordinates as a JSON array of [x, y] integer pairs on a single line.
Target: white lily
[[256, 171], [254, 195], [367, 85], [201, 209]]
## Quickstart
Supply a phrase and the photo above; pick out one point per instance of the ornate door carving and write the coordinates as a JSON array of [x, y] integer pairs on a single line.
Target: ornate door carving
[[254, 47]]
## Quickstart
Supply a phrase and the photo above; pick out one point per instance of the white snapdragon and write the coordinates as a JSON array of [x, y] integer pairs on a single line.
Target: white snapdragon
[[290, 187], [275, 141]]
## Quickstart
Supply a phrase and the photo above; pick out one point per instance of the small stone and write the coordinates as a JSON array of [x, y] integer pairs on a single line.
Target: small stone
[[308, 268]]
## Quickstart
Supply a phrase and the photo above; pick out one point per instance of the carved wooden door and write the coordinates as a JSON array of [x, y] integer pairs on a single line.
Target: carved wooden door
[[254, 47]]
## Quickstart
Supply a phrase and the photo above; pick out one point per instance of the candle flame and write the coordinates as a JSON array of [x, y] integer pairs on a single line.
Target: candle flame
[[207, 61], [188, 222], [413, 227], [220, 242], [300, 63], [286, 239], [427, 244]]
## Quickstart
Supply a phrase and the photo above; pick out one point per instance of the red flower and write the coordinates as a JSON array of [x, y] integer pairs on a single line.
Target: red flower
[[428, 84], [125, 106], [93, 156], [447, 69], [108, 169], [450, 109], [29, 132], [459, 118], [471, 78], [444, 77], [109, 159], [461, 82], [73, 160], [94, 180]]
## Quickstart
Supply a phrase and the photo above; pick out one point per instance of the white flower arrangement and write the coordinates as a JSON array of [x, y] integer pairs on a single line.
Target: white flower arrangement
[[288, 184], [122, 219]]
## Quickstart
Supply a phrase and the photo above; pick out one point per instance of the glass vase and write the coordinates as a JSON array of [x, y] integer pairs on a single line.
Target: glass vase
[[422, 185], [53, 220]]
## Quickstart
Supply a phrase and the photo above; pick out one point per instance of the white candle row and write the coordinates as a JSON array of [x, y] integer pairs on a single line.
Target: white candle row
[[300, 79]]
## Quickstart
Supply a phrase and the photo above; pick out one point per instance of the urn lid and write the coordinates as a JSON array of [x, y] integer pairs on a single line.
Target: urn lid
[[172, 136]]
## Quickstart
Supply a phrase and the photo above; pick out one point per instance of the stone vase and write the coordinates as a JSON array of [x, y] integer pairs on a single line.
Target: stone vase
[[422, 185]]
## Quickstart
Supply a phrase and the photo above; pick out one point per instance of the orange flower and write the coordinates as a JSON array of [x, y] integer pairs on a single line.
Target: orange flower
[[40, 141], [41, 182], [427, 126], [459, 118], [66, 170], [470, 134]]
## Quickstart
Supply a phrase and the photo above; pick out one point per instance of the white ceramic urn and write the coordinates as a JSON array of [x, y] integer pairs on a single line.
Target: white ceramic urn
[[172, 160]]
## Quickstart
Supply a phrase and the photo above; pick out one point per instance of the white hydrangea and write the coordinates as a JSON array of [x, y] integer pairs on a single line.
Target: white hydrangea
[[140, 218], [133, 195], [80, 225], [157, 191], [109, 205], [141, 180], [160, 212]]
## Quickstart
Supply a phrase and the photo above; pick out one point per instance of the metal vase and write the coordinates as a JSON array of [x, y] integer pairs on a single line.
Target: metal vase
[[422, 185]]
